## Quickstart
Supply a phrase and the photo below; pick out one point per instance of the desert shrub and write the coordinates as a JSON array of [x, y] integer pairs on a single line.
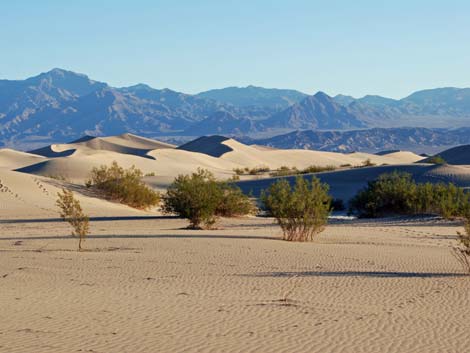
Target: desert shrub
[[317, 169], [302, 211], [368, 163], [346, 165], [259, 170], [233, 202], [397, 193], [284, 171], [233, 178], [390, 193], [71, 211], [448, 200], [123, 185], [436, 160], [200, 198], [239, 171], [151, 174]]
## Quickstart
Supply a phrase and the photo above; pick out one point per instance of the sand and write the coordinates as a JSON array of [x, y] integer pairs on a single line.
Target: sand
[[149, 285]]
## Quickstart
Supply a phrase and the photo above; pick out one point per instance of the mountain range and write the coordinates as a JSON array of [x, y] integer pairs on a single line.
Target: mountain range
[[419, 140], [62, 105]]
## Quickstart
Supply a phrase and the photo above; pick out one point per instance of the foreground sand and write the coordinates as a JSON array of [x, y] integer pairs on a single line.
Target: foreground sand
[[148, 285]]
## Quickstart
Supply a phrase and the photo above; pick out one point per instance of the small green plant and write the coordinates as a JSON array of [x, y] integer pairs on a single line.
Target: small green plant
[[259, 170], [200, 198], [436, 160], [317, 169], [302, 211], [284, 171], [368, 163], [123, 185], [239, 171], [71, 211]]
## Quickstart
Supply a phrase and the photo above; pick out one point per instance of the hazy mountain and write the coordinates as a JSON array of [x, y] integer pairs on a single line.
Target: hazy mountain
[[319, 111], [61, 105], [223, 122], [370, 140], [273, 98], [433, 103]]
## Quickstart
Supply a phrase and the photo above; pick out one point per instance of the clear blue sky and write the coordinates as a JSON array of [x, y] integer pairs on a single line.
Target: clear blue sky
[[351, 47]]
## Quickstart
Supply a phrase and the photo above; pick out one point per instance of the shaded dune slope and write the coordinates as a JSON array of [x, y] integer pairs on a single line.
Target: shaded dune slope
[[344, 184], [457, 155]]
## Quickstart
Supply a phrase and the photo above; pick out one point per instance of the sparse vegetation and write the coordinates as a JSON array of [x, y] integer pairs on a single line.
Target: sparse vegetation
[[252, 171], [302, 211], [71, 211], [284, 170], [123, 185], [151, 174], [436, 160], [398, 193], [200, 198], [368, 163]]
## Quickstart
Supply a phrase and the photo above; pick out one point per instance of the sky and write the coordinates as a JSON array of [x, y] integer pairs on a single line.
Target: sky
[[359, 47]]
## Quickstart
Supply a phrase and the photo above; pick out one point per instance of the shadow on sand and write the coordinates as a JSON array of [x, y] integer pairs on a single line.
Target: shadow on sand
[[371, 274], [92, 219], [143, 236]]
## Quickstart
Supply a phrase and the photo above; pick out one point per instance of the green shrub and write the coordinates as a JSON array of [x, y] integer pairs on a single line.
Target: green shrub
[[284, 171], [259, 170], [397, 193], [123, 185], [302, 211], [71, 211], [317, 169], [200, 198], [233, 202], [436, 160], [239, 171]]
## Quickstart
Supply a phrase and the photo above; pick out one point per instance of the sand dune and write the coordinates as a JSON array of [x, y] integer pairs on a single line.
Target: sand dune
[[125, 144], [236, 152], [216, 153], [457, 155], [11, 159], [30, 196]]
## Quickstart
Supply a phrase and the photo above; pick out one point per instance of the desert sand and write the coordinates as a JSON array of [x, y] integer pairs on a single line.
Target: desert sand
[[147, 284]]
